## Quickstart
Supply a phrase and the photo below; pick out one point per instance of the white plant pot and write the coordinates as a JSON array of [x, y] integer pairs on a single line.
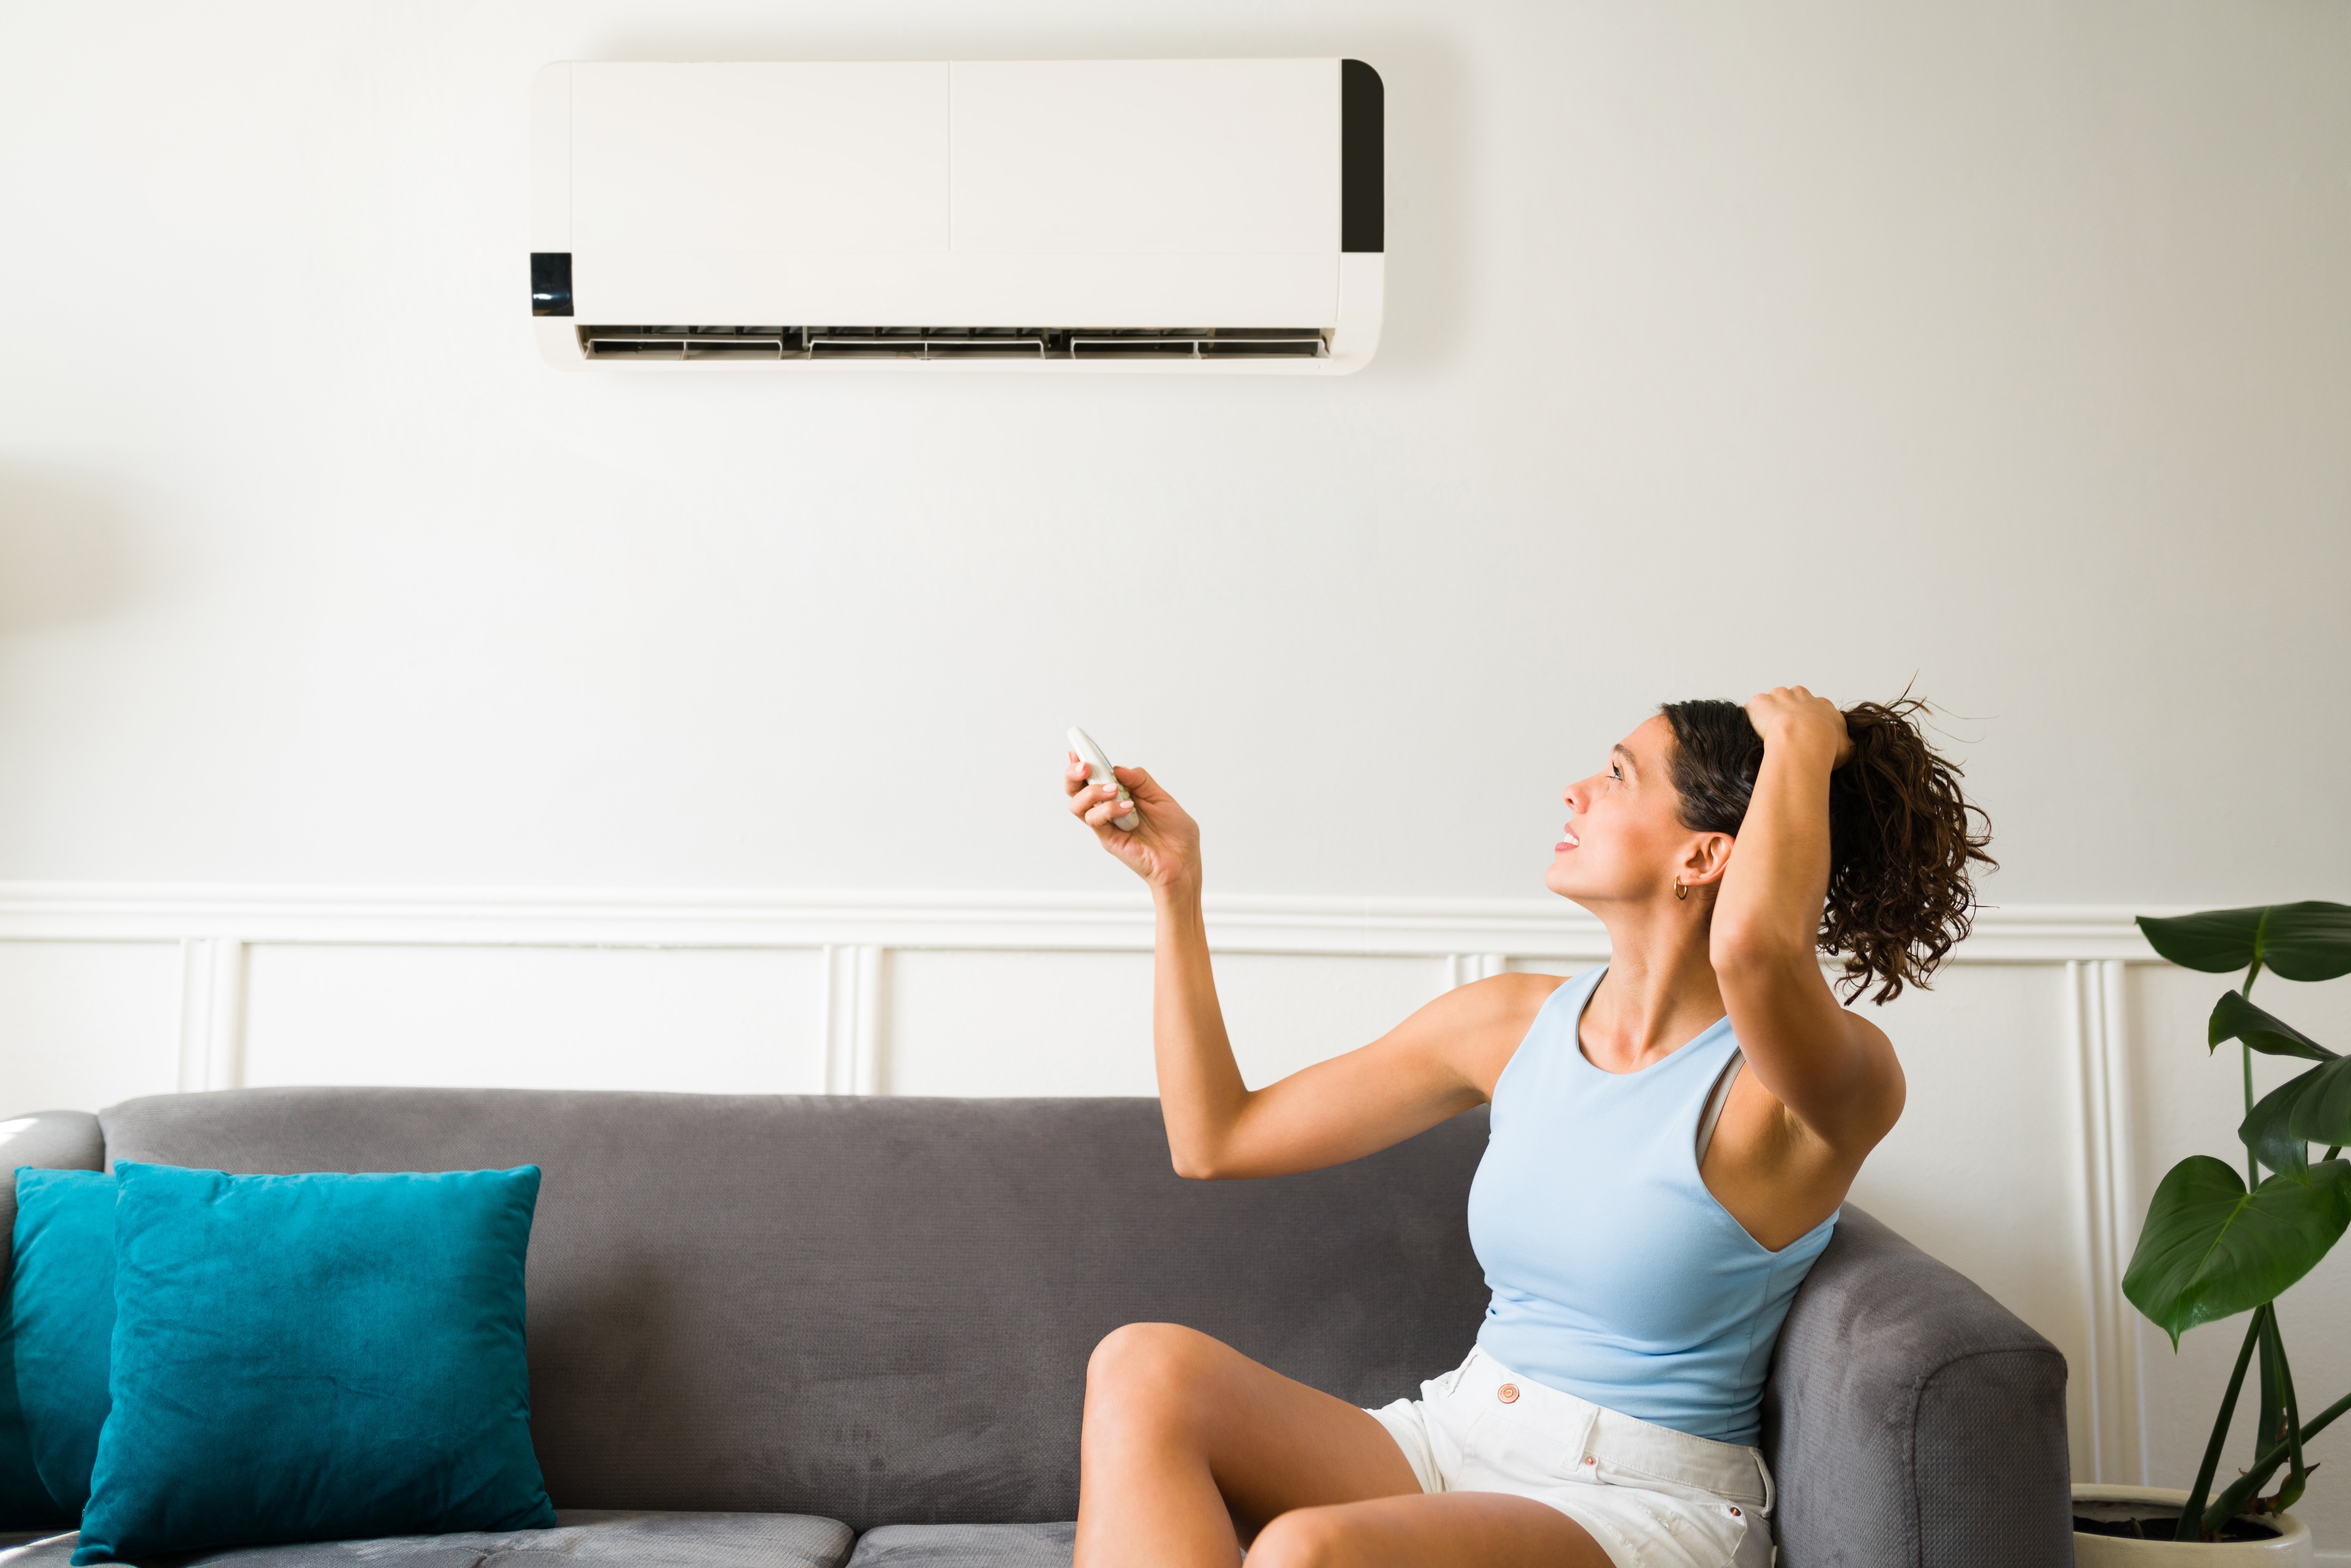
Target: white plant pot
[[2290, 1550]]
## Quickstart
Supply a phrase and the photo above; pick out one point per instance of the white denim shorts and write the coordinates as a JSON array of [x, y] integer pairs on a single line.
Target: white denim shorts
[[1652, 1497]]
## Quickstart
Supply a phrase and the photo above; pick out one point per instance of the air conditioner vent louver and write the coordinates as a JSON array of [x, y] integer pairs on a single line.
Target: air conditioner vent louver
[[951, 343], [691, 342]]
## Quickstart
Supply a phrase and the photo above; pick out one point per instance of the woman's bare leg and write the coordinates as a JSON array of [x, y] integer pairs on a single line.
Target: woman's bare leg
[[1190, 1447], [1438, 1529]]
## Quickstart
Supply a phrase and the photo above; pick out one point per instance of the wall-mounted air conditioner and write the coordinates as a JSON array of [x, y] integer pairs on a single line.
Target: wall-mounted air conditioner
[[1182, 216]]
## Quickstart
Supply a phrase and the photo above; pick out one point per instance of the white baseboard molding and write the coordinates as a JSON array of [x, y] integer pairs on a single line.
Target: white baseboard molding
[[1067, 922]]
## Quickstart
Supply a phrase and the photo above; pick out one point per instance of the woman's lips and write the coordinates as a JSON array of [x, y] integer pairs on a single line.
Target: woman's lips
[[1566, 843]]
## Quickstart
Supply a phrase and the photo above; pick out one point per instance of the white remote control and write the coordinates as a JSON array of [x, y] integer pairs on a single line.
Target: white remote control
[[1098, 772]]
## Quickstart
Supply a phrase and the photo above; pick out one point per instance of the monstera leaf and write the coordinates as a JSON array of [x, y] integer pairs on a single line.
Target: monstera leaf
[[2266, 1129], [2307, 941], [2211, 1249], [2234, 1018], [2322, 1113]]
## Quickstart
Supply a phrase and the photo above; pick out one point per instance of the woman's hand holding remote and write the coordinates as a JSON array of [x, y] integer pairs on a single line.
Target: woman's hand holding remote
[[1163, 849]]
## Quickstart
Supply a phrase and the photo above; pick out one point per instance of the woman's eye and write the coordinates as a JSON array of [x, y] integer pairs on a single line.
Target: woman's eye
[[1616, 773]]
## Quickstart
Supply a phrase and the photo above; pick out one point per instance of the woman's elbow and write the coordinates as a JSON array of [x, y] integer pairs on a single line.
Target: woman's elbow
[[1746, 949], [1196, 1165]]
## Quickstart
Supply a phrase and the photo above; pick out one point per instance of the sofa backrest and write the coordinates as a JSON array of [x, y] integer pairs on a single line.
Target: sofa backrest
[[879, 1310]]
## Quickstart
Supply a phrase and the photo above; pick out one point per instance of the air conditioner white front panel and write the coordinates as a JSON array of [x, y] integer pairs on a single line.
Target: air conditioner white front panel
[[957, 289], [696, 202], [775, 156], [1166, 157]]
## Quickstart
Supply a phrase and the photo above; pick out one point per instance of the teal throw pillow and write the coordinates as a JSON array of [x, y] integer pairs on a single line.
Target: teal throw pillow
[[64, 1319], [24, 1502], [314, 1358]]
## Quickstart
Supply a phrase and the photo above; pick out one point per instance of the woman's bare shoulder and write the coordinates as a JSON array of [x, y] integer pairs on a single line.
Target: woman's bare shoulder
[[1486, 1020]]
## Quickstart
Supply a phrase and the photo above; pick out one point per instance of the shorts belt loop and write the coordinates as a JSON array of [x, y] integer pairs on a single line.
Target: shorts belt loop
[[1771, 1496], [1587, 1442]]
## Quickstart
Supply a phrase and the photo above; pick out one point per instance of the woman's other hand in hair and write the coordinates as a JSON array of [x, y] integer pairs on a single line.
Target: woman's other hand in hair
[[1791, 717], [1162, 849]]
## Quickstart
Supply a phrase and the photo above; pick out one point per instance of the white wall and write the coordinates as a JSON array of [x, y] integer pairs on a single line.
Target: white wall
[[2006, 346]]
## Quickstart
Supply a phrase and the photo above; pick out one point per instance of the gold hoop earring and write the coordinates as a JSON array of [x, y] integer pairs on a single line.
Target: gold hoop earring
[[1679, 890]]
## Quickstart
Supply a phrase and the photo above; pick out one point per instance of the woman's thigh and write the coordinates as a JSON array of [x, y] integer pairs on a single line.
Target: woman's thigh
[[1437, 1530], [1272, 1443]]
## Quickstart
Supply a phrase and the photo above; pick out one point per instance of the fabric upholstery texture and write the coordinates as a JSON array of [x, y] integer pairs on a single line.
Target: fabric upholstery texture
[[1913, 1422], [583, 1538], [49, 1140], [62, 1300], [315, 1356], [880, 1310], [966, 1546]]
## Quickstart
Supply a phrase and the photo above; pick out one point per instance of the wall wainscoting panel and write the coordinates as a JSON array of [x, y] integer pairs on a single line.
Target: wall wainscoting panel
[[84, 1024], [2022, 1159], [212, 1013], [2109, 1375]]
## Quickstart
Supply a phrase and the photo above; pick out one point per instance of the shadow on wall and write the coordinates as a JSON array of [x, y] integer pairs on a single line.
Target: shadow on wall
[[66, 550], [1429, 173]]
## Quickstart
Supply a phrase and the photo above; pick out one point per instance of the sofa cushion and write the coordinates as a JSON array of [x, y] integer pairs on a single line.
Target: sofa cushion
[[24, 1501], [880, 1310], [62, 1307], [582, 1538], [966, 1546], [315, 1356], [46, 1139]]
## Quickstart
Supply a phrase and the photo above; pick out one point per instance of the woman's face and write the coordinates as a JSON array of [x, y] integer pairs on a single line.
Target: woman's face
[[1624, 841]]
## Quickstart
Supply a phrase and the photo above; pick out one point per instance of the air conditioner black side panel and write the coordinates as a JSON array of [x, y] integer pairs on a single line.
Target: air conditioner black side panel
[[1363, 164], [550, 283]]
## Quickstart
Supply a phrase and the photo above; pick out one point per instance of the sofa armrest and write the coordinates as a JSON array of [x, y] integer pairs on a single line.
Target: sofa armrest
[[50, 1140], [1912, 1420]]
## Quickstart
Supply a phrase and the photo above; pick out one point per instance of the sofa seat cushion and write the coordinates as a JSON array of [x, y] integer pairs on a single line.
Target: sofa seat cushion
[[582, 1538], [966, 1546]]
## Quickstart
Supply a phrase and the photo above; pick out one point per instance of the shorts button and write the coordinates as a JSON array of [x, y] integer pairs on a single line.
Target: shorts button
[[1734, 1513], [1590, 1459], [1508, 1393]]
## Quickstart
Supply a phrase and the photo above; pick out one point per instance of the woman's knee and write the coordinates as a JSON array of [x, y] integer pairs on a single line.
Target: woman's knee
[[1302, 1538], [1153, 1367]]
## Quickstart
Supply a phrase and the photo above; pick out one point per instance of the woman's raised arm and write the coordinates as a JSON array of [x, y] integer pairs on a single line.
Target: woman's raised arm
[[1438, 1063], [1834, 1071]]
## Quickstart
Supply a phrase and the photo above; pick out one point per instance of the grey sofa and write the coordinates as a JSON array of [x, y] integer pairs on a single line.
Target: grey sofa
[[812, 1331]]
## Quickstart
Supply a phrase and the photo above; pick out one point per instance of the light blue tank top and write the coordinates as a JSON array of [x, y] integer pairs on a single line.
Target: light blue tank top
[[1616, 1276]]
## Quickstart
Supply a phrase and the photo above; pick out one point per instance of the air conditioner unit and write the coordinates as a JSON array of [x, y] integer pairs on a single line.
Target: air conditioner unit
[[1168, 216]]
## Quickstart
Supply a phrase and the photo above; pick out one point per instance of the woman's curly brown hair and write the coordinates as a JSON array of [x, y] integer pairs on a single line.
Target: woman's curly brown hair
[[1903, 840]]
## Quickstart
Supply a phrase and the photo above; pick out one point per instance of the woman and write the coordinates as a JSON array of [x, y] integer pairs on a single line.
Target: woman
[[1645, 1209]]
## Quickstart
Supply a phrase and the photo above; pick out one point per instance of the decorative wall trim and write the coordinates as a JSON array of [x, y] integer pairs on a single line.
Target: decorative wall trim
[[853, 1019], [1053, 922], [2116, 1435], [212, 1013]]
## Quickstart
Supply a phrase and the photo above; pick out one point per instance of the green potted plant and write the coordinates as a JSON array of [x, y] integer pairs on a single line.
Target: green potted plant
[[2216, 1244]]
